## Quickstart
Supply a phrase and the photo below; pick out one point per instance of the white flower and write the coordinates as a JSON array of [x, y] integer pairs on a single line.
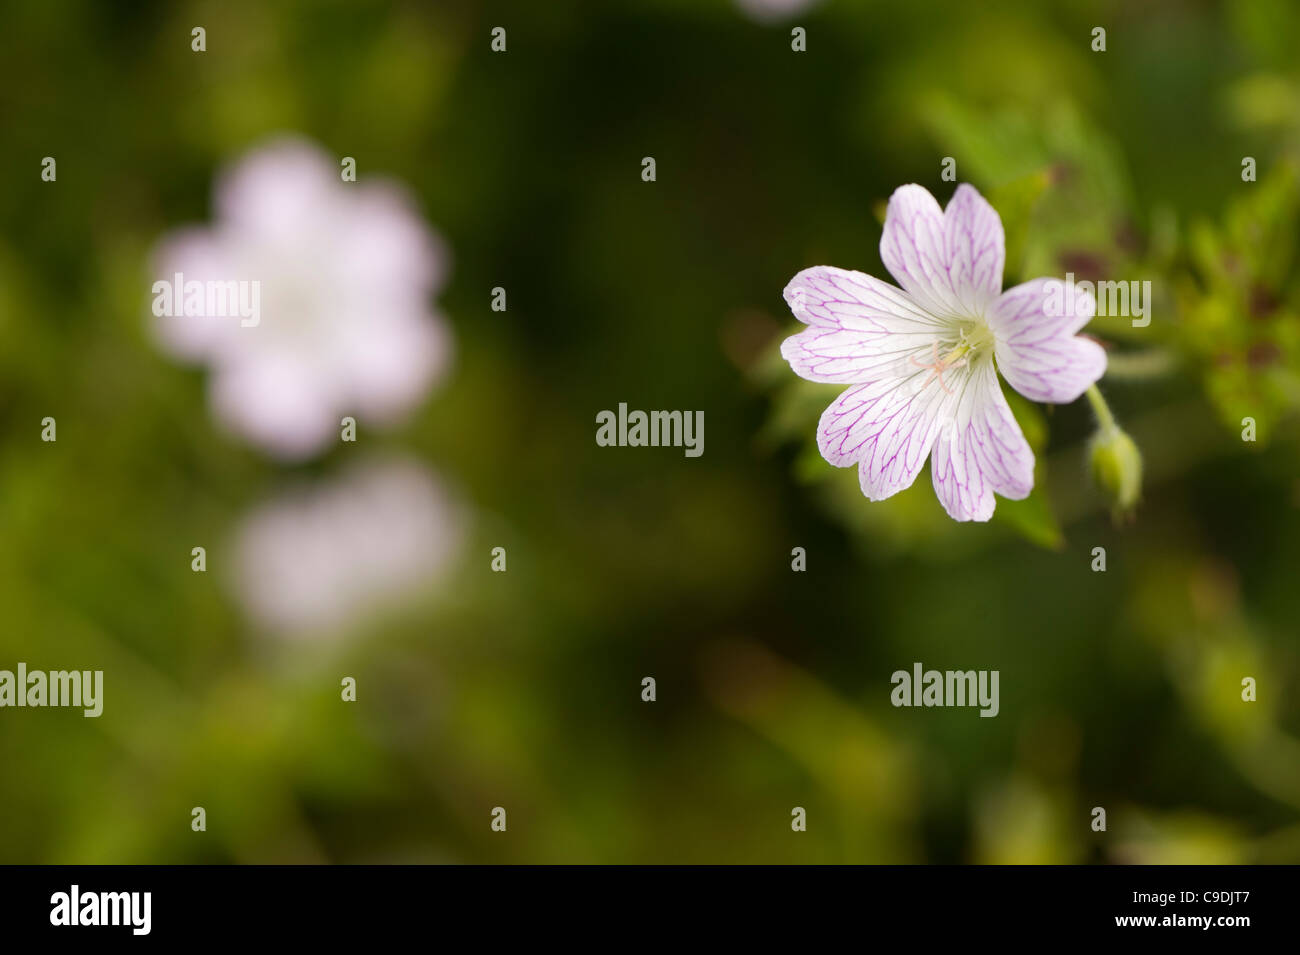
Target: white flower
[[923, 360], [346, 273], [319, 559]]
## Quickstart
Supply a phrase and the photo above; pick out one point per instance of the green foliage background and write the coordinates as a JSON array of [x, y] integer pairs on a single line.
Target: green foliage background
[[521, 690]]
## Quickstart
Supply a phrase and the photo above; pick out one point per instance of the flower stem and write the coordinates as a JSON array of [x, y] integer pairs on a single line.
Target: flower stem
[[1105, 419]]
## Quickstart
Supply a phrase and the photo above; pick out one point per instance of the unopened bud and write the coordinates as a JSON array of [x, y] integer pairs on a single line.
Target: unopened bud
[[1117, 468]]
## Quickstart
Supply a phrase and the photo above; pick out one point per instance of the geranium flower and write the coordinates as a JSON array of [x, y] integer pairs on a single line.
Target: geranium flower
[[319, 559], [345, 273], [924, 359]]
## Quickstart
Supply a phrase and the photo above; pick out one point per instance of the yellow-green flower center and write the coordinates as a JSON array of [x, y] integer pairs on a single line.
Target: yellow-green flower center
[[974, 338]]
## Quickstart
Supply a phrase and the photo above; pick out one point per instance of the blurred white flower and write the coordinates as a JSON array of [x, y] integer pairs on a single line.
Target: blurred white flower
[[319, 559], [346, 270], [769, 11]]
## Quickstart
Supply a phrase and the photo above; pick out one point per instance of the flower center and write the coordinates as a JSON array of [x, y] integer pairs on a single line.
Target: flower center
[[973, 339]]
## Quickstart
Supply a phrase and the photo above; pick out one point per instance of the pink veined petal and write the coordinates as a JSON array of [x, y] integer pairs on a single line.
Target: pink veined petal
[[1034, 325], [886, 427], [980, 450], [951, 261], [976, 248], [860, 328], [912, 248]]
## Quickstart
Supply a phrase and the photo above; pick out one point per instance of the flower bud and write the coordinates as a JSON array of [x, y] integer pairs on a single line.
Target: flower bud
[[1117, 468]]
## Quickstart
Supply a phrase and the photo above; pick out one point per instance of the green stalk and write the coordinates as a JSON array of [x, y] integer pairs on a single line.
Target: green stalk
[[1105, 419]]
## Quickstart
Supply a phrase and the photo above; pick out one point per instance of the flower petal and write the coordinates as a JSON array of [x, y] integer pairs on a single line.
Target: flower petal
[[980, 450], [886, 427], [949, 262], [281, 401], [912, 247], [861, 329], [198, 255], [1037, 350], [976, 248], [279, 193], [386, 245]]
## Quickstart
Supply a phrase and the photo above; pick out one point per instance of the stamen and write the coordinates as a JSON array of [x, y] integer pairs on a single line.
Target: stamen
[[956, 359]]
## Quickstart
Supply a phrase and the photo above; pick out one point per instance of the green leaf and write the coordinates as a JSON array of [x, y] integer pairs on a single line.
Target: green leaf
[[1033, 517]]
